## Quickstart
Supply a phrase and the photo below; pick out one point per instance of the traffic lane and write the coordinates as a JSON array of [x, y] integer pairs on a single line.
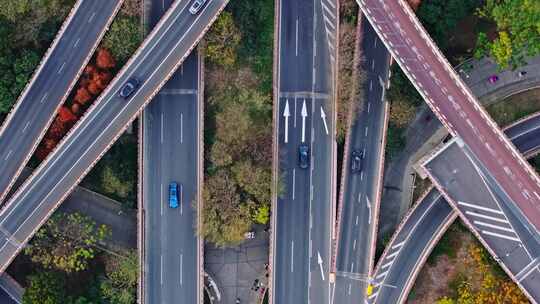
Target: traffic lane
[[29, 119], [111, 121], [530, 125], [438, 83], [321, 212], [399, 276], [296, 45], [513, 244], [153, 202], [5, 298], [292, 265]]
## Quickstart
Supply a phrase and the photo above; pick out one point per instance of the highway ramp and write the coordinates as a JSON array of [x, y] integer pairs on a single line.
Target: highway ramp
[[161, 53], [50, 85]]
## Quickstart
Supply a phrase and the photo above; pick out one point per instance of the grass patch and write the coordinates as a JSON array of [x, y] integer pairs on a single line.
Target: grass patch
[[115, 175], [515, 107]]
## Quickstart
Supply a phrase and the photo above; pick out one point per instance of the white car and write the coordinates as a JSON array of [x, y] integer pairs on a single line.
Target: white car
[[196, 6]]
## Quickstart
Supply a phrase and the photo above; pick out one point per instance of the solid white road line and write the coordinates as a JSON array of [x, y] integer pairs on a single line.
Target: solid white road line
[[398, 245], [161, 270], [76, 42], [161, 199], [480, 207], [392, 255], [161, 129], [91, 17], [44, 96], [293, 183], [26, 126], [181, 128], [8, 154], [292, 256], [61, 67], [354, 245], [356, 224], [386, 265], [493, 226], [181, 265], [502, 236], [486, 217], [296, 45]]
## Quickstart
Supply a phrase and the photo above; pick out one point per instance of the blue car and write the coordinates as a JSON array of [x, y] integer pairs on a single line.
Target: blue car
[[173, 195]]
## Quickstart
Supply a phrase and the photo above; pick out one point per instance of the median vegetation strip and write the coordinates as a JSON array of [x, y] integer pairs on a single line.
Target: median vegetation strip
[[238, 121]]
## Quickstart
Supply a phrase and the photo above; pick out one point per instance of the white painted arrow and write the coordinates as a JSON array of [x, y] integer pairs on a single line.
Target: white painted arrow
[[304, 115], [323, 116], [286, 114], [320, 261]]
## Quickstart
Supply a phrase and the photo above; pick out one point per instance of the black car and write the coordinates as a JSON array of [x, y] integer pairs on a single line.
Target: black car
[[129, 87], [303, 156], [356, 161]]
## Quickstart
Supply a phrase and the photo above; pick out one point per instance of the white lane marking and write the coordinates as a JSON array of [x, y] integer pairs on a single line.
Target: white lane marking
[[354, 245], [76, 42], [480, 207], [349, 289], [486, 217], [181, 127], [352, 267], [161, 199], [381, 275], [370, 85], [392, 255], [293, 183], [368, 106], [296, 46], [366, 132], [375, 43], [61, 67], [26, 126], [356, 224], [502, 236], [8, 154], [398, 245], [359, 197], [181, 265], [328, 10], [44, 96], [91, 17], [525, 132], [525, 271], [161, 129], [292, 256], [493, 226], [528, 273], [386, 265], [362, 175], [161, 270]]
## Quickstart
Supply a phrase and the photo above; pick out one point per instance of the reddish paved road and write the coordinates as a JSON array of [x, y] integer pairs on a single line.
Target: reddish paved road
[[453, 103]]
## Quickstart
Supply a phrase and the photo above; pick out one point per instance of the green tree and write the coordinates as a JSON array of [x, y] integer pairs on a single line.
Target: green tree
[[518, 27], [222, 41], [120, 283], [225, 218], [253, 180], [66, 242], [123, 38], [262, 214], [113, 184], [44, 287], [12, 10]]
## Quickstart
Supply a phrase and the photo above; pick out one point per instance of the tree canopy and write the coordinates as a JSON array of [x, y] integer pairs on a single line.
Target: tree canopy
[[66, 242], [518, 31]]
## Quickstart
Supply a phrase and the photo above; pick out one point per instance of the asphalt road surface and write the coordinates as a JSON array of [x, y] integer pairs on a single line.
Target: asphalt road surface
[[454, 104], [415, 238], [164, 49], [171, 149], [355, 244], [37, 105], [304, 211]]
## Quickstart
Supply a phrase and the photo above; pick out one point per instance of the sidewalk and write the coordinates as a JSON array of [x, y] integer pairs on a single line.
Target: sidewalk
[[234, 270], [425, 132]]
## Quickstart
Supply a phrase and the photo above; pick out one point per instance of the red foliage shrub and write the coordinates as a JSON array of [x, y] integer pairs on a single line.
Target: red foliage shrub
[[90, 69], [104, 59], [65, 115], [56, 130], [75, 108], [82, 96]]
